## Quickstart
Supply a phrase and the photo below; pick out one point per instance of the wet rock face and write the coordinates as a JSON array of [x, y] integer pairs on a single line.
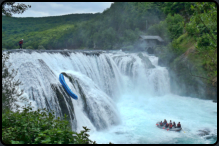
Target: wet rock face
[[150, 50], [206, 133], [62, 100], [162, 62], [146, 61], [180, 69], [184, 80]]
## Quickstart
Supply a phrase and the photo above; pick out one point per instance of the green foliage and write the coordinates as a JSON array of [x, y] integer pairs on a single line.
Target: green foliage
[[51, 32], [104, 31], [14, 25], [40, 47], [182, 44], [182, 8], [39, 127], [160, 29], [175, 25], [169, 29], [129, 48], [29, 47], [47, 38], [203, 27]]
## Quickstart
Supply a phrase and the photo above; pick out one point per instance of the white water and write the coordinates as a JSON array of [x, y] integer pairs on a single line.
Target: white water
[[125, 97]]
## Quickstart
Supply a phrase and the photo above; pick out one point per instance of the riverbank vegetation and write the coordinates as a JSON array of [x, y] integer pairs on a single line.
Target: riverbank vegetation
[[192, 54], [39, 127]]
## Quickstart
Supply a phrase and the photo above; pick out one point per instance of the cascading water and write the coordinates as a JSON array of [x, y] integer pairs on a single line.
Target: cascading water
[[121, 96]]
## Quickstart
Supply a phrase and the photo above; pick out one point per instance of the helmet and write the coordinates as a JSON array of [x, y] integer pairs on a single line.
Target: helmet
[[22, 39]]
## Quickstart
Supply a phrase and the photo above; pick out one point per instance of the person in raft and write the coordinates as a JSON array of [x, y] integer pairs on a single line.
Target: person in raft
[[179, 125], [174, 124], [165, 122], [170, 125], [167, 125], [170, 122], [161, 124], [20, 43]]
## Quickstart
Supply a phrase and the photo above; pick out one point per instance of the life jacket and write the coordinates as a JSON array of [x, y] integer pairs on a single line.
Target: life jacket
[[21, 42], [171, 125], [167, 125], [178, 125]]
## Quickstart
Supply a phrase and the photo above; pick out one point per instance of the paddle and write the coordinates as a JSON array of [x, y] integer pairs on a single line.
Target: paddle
[[184, 131]]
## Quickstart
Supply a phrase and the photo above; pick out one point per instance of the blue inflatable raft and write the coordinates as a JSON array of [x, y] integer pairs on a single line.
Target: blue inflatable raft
[[67, 89]]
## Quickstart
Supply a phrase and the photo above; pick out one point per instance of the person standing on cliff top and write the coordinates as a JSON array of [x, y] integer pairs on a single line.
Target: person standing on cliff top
[[20, 43]]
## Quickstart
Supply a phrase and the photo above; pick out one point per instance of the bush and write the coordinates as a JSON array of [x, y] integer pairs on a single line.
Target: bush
[[41, 47], [169, 29], [175, 25], [39, 127], [159, 29], [29, 47]]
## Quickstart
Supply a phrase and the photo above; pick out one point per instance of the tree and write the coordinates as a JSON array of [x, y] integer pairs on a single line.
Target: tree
[[9, 8], [203, 27], [10, 91]]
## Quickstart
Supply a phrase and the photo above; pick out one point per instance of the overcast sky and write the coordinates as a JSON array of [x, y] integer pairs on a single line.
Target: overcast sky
[[43, 9]]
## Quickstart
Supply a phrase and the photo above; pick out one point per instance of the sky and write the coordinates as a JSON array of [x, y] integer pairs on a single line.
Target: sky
[[43, 9]]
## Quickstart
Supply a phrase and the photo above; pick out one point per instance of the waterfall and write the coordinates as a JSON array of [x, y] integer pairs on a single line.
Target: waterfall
[[101, 80], [96, 78]]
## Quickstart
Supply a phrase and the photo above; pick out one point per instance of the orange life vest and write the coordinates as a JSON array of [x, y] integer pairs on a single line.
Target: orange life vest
[[171, 125]]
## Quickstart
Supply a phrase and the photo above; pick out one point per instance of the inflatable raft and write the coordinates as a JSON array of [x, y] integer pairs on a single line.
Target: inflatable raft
[[167, 128], [67, 89]]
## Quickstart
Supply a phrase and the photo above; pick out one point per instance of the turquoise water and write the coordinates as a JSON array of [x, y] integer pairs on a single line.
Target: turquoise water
[[139, 115]]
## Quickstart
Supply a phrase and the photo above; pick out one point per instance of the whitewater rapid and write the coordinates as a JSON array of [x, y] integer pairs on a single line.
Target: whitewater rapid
[[126, 94]]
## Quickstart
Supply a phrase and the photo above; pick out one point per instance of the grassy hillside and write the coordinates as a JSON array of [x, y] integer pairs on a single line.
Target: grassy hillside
[[44, 38], [32, 29], [16, 25]]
